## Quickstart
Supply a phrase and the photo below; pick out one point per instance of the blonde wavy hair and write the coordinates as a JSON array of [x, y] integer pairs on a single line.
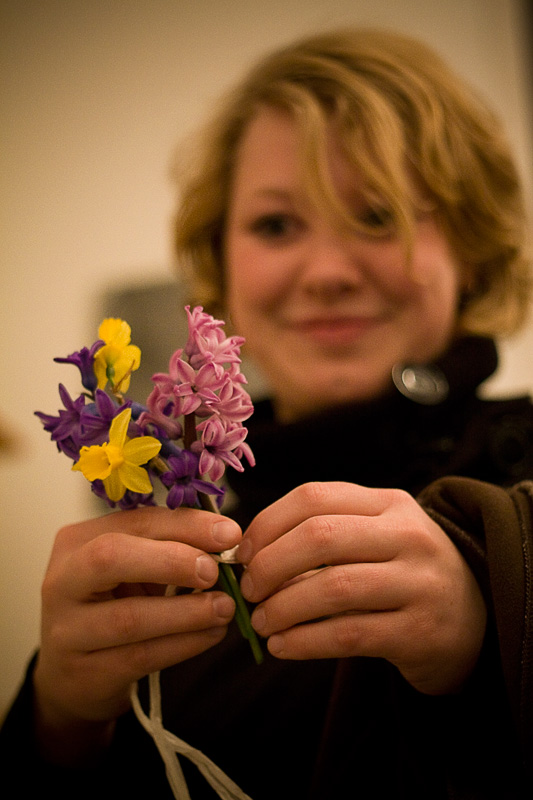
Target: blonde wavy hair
[[400, 110]]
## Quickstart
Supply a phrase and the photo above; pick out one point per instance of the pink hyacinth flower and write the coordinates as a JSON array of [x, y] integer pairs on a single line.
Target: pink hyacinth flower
[[207, 343], [216, 447]]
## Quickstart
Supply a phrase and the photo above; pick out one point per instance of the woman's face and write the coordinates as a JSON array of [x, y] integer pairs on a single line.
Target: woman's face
[[326, 312]]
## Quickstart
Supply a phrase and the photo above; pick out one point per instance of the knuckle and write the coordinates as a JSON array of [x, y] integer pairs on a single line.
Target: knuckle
[[55, 635], [63, 536], [126, 621], [344, 632], [103, 553], [314, 494], [408, 519], [423, 541], [49, 588], [65, 541], [400, 504], [397, 497], [320, 532], [338, 585], [401, 497]]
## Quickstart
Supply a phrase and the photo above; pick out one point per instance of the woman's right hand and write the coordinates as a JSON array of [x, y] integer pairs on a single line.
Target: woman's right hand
[[106, 622]]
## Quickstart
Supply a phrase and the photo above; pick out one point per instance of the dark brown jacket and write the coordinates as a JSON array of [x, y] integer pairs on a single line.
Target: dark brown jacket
[[324, 729]]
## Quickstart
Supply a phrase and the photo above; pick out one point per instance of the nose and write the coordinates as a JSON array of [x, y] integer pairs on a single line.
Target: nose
[[332, 266]]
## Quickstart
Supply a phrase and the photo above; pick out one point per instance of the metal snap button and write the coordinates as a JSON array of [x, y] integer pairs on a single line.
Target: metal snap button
[[425, 385]]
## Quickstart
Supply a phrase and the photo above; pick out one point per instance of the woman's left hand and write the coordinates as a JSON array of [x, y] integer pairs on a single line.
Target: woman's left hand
[[340, 570]]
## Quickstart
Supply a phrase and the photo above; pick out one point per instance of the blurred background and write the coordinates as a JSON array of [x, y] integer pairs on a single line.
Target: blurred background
[[95, 96]]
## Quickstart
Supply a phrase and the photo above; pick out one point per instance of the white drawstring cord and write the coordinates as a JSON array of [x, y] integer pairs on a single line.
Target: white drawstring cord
[[169, 746]]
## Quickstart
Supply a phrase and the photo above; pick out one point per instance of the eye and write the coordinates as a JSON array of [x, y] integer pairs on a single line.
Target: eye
[[377, 220], [274, 225]]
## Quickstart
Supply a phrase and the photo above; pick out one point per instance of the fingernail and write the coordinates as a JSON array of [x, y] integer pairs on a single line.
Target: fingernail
[[247, 586], [244, 553], [206, 568], [225, 533], [259, 619], [224, 606], [275, 645]]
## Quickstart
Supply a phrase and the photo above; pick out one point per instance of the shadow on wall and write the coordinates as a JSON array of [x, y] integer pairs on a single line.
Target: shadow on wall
[[158, 322]]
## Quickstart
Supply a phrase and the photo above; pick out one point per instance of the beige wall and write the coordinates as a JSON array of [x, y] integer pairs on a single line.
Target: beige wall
[[95, 94]]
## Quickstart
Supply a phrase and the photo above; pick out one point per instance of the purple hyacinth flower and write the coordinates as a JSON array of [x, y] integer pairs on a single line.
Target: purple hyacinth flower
[[65, 428], [84, 360], [183, 483], [96, 418], [130, 500]]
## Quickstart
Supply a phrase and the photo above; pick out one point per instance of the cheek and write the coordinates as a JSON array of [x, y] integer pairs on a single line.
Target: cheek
[[433, 278], [253, 282], [244, 296], [443, 287], [436, 303]]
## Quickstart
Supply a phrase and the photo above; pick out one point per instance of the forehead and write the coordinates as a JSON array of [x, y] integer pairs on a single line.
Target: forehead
[[277, 150], [271, 138]]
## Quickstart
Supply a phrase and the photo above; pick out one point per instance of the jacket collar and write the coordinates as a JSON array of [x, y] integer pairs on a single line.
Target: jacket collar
[[387, 442]]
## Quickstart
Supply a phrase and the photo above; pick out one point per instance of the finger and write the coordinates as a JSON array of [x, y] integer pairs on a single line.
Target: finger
[[137, 619], [318, 541], [114, 669], [204, 529], [311, 500], [332, 591], [114, 558], [158, 654], [128, 663], [374, 634]]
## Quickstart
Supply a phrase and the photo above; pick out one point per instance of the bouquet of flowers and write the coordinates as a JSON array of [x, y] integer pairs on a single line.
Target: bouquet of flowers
[[184, 437]]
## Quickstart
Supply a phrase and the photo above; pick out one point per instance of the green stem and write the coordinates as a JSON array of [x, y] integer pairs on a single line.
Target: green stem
[[230, 585]]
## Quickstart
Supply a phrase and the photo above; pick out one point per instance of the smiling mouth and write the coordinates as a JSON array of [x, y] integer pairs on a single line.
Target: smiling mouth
[[336, 331]]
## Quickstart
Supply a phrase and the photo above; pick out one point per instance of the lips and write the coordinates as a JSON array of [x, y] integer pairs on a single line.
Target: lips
[[335, 331]]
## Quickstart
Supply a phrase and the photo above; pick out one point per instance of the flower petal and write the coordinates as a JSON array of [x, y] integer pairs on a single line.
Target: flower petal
[[115, 331], [100, 370], [128, 360], [134, 478], [141, 450], [114, 487], [119, 428]]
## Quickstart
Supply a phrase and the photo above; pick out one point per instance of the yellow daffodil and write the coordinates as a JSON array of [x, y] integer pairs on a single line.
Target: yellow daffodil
[[117, 359], [117, 462]]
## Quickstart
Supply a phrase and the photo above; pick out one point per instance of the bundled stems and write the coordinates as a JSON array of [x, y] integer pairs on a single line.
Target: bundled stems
[[227, 578], [230, 585]]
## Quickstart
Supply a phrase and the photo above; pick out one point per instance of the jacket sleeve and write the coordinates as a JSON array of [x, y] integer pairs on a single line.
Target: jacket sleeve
[[493, 529]]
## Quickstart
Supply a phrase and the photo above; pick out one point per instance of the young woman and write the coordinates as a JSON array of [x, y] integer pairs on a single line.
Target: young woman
[[357, 213]]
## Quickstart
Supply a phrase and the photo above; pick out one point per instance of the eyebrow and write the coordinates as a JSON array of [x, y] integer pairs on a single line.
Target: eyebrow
[[284, 194], [273, 191]]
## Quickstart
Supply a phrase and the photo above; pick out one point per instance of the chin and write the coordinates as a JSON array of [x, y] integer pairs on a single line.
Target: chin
[[314, 402]]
